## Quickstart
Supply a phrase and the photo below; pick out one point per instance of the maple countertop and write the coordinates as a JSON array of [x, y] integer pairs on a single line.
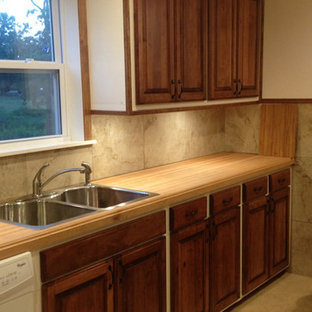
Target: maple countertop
[[174, 183]]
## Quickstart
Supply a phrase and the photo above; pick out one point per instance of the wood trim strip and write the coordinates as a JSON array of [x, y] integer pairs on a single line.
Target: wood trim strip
[[127, 47], [278, 130], [286, 101], [73, 255], [174, 109], [84, 63]]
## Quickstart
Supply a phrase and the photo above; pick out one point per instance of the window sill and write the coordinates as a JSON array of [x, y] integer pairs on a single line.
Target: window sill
[[44, 147]]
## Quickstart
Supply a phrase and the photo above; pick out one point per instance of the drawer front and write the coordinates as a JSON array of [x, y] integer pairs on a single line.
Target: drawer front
[[279, 180], [255, 188], [188, 213], [225, 199], [81, 252]]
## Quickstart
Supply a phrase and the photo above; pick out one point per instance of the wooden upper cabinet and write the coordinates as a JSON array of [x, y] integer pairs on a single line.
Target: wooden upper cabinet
[[191, 34], [234, 48], [222, 48], [154, 44], [170, 50], [249, 42]]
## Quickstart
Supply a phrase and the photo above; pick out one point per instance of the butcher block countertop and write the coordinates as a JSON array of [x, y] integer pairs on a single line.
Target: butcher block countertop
[[174, 183]]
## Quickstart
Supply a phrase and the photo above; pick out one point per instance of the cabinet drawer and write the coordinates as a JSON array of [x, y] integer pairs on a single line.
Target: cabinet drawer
[[279, 180], [81, 252], [188, 213], [224, 199], [255, 188]]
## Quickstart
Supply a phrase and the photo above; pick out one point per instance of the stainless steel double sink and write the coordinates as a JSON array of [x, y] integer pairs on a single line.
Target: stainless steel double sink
[[67, 204]]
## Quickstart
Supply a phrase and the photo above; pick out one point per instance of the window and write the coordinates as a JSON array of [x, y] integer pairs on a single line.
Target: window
[[36, 59]]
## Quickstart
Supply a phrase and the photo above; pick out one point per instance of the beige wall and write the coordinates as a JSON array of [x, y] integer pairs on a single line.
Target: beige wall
[[287, 63], [124, 144]]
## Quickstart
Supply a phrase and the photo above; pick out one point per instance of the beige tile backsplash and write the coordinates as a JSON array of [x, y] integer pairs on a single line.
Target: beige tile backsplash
[[132, 143], [124, 144], [241, 135]]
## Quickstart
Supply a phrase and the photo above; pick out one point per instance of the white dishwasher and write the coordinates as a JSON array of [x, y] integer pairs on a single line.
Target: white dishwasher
[[20, 283]]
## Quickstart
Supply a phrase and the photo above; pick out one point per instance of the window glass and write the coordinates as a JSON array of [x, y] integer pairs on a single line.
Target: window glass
[[29, 104], [26, 30]]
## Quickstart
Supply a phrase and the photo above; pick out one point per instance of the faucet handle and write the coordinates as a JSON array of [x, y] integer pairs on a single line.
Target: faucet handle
[[37, 180], [87, 172]]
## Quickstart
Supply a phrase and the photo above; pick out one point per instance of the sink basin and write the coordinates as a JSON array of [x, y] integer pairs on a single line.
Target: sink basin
[[40, 214], [102, 197]]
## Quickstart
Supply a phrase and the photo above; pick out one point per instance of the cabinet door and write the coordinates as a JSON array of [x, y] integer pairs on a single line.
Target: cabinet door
[[191, 36], [88, 290], [141, 279], [225, 259], [222, 49], [249, 46], [255, 243], [279, 231], [190, 269], [154, 44]]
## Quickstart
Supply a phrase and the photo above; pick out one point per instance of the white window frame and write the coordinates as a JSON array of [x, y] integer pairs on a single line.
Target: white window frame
[[67, 63]]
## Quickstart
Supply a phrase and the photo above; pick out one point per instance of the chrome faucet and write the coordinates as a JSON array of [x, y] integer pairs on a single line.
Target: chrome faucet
[[37, 182]]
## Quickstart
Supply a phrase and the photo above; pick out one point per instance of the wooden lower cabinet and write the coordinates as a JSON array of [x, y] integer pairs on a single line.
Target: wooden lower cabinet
[[141, 279], [225, 259], [88, 290], [265, 238], [279, 231], [190, 269], [255, 243]]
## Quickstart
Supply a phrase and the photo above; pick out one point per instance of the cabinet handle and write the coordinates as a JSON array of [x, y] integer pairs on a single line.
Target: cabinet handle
[[240, 84], [258, 189], [191, 214], [122, 271], [236, 86], [227, 201], [214, 231], [181, 89], [110, 285], [209, 233], [173, 89], [271, 205], [281, 181]]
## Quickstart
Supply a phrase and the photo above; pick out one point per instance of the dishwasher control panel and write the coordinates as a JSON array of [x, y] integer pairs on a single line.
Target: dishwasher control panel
[[15, 272]]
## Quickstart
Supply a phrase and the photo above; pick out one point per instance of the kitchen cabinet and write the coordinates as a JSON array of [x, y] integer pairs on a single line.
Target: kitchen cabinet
[[256, 210], [279, 224], [265, 229], [88, 290], [77, 277], [235, 31], [170, 50], [225, 248], [141, 279], [189, 257]]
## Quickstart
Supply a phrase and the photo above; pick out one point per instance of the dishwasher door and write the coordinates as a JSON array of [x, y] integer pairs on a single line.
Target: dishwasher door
[[19, 287]]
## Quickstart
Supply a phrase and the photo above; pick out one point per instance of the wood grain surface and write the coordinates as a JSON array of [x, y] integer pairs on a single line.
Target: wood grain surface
[[278, 130], [174, 183]]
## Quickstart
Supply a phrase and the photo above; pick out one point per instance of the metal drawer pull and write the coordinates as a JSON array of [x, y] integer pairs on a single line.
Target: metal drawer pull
[[227, 201], [258, 189], [191, 214], [281, 180]]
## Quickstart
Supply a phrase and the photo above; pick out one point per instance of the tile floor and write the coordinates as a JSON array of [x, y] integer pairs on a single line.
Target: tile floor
[[289, 293]]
